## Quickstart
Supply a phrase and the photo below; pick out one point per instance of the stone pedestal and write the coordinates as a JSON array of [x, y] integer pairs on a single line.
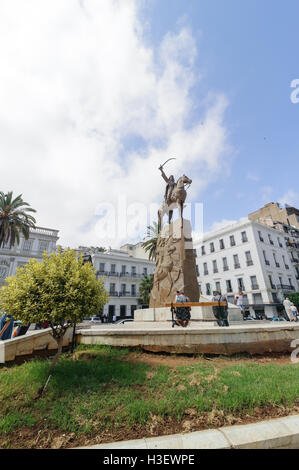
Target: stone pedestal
[[175, 265]]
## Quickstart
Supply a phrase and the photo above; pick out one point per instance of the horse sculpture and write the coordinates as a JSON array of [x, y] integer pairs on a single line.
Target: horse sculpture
[[177, 199]]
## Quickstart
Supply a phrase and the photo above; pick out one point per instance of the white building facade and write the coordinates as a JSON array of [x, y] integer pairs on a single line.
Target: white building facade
[[251, 257], [40, 240], [122, 273]]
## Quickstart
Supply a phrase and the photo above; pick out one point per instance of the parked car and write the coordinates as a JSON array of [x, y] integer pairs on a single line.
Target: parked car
[[95, 320], [123, 320]]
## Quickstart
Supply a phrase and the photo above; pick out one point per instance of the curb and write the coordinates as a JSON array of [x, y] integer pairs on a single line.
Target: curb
[[280, 433]]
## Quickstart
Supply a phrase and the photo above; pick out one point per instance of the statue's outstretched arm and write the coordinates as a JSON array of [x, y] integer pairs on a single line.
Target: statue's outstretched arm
[[163, 175]]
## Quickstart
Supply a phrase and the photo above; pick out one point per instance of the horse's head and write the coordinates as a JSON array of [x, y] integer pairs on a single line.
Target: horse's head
[[184, 179]]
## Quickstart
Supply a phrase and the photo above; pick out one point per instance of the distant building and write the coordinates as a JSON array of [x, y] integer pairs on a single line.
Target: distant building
[[123, 273], [40, 240], [274, 212], [251, 257]]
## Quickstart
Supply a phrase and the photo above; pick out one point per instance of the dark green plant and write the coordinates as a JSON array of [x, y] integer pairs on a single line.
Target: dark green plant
[[14, 219], [150, 245], [145, 288]]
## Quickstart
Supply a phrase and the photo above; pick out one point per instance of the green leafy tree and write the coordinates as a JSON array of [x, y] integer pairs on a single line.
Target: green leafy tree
[[60, 290], [294, 298], [145, 288], [14, 219], [150, 245]]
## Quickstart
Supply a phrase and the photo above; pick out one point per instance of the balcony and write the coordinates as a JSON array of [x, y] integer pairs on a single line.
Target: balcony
[[244, 240], [237, 265], [261, 239], [285, 287], [113, 293], [206, 273], [128, 294], [267, 262], [273, 286], [287, 266], [225, 268], [232, 243], [295, 260], [215, 270], [277, 265], [249, 263], [271, 242], [229, 289], [112, 273]]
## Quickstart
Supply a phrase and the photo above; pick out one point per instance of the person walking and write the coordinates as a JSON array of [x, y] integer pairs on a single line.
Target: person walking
[[239, 303], [287, 307], [294, 312]]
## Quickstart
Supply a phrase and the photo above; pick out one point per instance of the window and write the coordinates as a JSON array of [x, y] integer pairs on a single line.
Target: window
[[221, 244], [3, 272], [260, 236], [123, 269], [249, 261], [265, 258], [275, 261], [102, 267], [145, 271], [218, 288], [205, 269], [215, 269], [197, 270], [236, 261], [225, 265], [279, 242], [203, 251], [133, 271], [257, 299], [271, 282], [284, 261], [133, 290], [232, 240], [112, 289], [212, 247], [290, 281], [270, 239], [254, 284], [123, 310], [113, 268], [241, 284], [43, 245], [123, 289], [208, 289], [27, 245], [229, 286], [244, 237]]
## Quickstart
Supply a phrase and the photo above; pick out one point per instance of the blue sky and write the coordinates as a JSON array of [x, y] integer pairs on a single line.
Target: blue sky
[[96, 94], [248, 50]]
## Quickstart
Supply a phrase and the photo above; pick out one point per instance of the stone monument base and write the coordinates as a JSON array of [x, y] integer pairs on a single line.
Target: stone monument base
[[162, 314]]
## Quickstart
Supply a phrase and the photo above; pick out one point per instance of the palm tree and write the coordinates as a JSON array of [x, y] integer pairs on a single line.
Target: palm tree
[[145, 288], [151, 244], [14, 219]]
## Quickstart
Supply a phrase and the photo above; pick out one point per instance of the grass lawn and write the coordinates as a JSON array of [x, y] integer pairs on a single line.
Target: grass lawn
[[101, 394]]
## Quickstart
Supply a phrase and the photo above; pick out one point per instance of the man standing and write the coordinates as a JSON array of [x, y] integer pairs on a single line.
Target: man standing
[[221, 311]]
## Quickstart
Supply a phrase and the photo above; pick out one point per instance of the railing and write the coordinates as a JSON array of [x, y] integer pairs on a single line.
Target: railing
[[123, 294], [287, 266], [229, 289], [244, 240], [277, 265], [285, 287], [237, 265], [249, 263], [206, 273], [267, 262], [215, 270], [261, 239], [273, 286], [225, 268]]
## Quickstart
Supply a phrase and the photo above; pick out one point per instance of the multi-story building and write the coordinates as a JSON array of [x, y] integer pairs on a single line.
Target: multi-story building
[[276, 212], [251, 257], [40, 240], [122, 273]]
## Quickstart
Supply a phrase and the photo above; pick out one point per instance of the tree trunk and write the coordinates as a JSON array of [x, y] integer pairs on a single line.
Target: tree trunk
[[56, 357]]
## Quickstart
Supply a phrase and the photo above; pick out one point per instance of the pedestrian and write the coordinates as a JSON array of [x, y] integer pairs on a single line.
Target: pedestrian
[[239, 303], [287, 307], [294, 312], [220, 311]]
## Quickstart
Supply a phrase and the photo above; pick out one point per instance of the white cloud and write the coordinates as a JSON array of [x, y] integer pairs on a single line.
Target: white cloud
[[218, 225], [77, 80], [291, 198]]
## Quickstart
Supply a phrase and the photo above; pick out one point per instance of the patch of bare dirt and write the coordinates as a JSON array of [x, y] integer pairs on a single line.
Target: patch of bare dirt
[[156, 426], [171, 360]]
